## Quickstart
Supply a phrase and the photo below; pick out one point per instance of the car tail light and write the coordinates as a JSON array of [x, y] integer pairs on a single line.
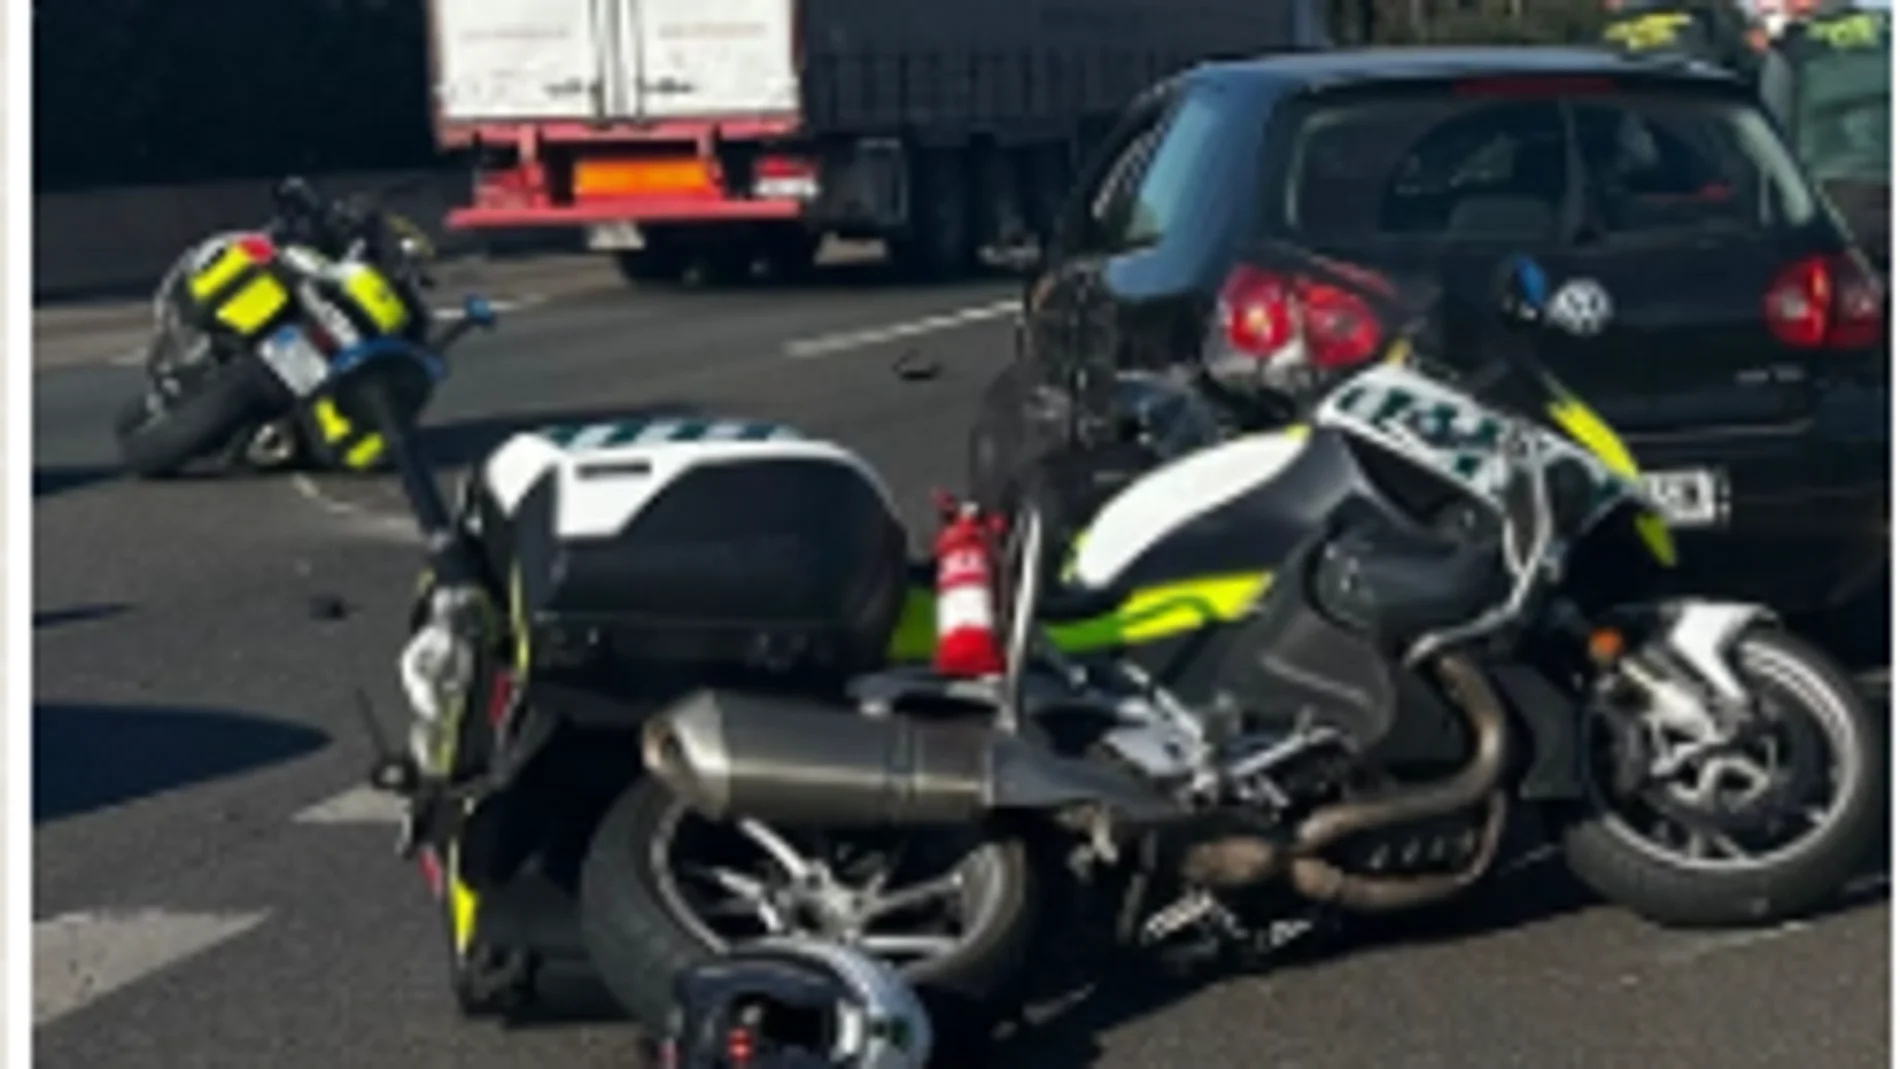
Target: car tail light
[[1262, 313], [1829, 302]]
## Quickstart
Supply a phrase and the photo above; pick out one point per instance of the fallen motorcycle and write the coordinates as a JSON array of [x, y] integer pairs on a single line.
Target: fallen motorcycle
[[1315, 671], [242, 322], [1298, 671]]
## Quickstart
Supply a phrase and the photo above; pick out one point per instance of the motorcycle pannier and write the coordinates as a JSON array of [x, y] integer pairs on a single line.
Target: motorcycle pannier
[[695, 544]]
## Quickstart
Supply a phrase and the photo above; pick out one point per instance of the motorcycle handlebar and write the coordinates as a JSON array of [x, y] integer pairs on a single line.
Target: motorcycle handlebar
[[446, 552]]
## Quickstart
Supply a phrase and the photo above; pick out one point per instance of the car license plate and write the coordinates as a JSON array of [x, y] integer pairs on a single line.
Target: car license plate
[[296, 360], [1690, 497]]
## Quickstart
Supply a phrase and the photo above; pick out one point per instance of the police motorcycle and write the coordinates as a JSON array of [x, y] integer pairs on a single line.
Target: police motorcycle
[[673, 691], [243, 321], [1301, 674]]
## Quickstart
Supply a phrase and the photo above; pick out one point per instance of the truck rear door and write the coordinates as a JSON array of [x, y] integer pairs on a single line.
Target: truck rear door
[[520, 60], [708, 58]]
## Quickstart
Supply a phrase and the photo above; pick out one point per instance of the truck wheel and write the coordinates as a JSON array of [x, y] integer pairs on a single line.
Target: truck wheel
[[940, 243], [660, 261], [791, 252]]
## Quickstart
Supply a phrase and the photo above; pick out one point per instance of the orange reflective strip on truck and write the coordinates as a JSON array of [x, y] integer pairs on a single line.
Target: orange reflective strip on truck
[[620, 178]]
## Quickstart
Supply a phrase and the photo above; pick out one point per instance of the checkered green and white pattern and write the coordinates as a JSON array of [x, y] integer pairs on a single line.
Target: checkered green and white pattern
[[581, 436]]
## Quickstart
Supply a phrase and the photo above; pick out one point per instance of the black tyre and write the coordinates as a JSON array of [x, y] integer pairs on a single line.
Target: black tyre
[[1823, 744], [940, 244], [158, 442], [642, 926], [663, 259]]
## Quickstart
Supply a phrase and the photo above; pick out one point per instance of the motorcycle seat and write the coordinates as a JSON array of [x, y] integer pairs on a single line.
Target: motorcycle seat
[[1398, 583]]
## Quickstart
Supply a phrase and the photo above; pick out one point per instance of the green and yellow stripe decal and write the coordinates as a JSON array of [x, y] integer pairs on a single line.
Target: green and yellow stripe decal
[[1148, 615]]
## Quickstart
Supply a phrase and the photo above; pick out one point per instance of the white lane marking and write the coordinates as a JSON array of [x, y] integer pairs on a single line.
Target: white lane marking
[[128, 360], [392, 526], [80, 958], [522, 303], [829, 344], [361, 804], [1695, 950]]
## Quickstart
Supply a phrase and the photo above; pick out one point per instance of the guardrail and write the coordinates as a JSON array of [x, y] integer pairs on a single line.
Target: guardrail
[[118, 242]]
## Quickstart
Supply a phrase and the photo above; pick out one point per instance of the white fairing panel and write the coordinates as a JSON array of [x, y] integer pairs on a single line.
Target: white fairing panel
[[700, 58], [608, 473], [1173, 495], [519, 59]]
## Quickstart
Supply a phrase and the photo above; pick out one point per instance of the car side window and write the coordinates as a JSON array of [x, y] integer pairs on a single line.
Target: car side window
[[1163, 166]]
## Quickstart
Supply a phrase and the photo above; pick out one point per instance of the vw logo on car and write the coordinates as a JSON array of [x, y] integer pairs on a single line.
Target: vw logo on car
[[1580, 307]]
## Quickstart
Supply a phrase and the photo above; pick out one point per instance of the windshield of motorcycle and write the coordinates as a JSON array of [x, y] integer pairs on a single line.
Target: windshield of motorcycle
[[1454, 376]]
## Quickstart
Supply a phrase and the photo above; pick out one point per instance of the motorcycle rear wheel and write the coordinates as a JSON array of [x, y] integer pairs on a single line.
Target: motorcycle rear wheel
[[1669, 879], [641, 934], [157, 443]]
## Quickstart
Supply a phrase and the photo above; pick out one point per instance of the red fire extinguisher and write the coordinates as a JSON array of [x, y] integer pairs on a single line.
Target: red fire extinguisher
[[966, 611]]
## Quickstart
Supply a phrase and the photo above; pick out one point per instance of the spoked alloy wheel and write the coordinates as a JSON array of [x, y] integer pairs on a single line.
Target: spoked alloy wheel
[[908, 903], [664, 888], [1765, 824]]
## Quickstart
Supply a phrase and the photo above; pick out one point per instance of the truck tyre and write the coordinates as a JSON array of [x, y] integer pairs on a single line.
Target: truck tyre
[[940, 242], [791, 252], [662, 259]]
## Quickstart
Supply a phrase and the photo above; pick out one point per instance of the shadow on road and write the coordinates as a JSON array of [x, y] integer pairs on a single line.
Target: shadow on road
[[88, 757], [457, 444], [78, 614], [50, 482]]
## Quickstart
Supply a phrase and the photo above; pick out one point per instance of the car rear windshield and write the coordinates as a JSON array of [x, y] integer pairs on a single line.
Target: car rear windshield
[[1501, 167]]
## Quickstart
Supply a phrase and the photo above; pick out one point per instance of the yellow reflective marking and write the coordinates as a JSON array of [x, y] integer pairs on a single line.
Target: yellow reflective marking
[[219, 273], [524, 642], [915, 636], [1851, 31], [1589, 431], [463, 901], [375, 297], [330, 422], [1156, 612], [250, 308], [364, 453], [1647, 32]]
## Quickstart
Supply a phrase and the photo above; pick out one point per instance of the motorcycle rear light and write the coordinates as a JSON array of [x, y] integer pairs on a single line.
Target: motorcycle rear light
[[739, 1047], [256, 248], [1825, 302], [1261, 313]]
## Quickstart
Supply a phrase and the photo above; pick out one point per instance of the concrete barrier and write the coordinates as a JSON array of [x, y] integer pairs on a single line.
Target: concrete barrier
[[118, 242]]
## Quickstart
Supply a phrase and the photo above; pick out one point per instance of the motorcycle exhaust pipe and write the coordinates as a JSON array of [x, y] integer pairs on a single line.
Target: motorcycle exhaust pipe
[[790, 762], [1322, 881]]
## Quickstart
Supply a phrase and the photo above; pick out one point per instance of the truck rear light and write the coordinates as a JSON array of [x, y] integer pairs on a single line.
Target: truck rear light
[[784, 176], [1264, 315], [1825, 302]]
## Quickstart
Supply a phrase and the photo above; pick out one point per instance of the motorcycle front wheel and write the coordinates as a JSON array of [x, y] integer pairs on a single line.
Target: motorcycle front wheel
[[663, 889], [1766, 828], [157, 440]]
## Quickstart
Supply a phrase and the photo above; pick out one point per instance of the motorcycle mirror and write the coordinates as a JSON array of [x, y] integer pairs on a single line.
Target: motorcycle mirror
[[1521, 289]]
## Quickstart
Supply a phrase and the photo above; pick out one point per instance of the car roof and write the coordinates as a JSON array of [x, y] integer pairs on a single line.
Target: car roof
[[1367, 66]]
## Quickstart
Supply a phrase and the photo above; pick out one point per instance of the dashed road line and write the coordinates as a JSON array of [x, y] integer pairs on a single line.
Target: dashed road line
[[383, 525], [831, 344], [361, 804], [80, 958]]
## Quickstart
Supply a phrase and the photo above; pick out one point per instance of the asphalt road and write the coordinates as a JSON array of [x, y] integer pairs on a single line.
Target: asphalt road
[[211, 890]]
